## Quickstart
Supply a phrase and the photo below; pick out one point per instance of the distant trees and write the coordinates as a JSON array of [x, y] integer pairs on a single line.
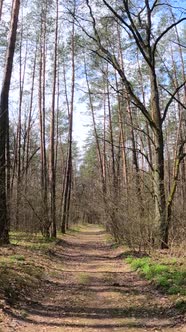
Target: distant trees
[[126, 61]]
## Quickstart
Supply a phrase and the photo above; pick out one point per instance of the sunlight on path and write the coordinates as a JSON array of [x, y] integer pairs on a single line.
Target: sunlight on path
[[95, 292]]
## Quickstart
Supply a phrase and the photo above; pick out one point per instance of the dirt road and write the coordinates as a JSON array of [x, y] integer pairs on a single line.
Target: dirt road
[[95, 291]]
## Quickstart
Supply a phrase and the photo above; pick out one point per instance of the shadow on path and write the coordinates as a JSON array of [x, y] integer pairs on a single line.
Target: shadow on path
[[96, 290]]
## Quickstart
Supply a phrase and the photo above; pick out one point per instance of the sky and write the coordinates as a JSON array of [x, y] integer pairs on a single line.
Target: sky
[[81, 125]]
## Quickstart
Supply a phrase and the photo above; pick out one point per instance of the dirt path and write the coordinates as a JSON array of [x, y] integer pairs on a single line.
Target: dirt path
[[96, 291]]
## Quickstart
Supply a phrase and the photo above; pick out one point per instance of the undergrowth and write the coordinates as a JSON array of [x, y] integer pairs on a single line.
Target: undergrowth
[[18, 278], [169, 276], [32, 241], [22, 265]]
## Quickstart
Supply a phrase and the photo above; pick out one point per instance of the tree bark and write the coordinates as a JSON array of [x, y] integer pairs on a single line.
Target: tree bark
[[95, 132], [68, 180], [4, 122], [158, 176], [52, 137], [1, 8], [19, 160], [41, 105]]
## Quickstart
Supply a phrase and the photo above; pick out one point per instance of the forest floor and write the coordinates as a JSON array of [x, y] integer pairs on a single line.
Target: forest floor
[[86, 286]]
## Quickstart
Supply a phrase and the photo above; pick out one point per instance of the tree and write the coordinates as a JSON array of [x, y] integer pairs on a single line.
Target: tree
[[137, 21], [52, 174], [4, 122], [68, 175]]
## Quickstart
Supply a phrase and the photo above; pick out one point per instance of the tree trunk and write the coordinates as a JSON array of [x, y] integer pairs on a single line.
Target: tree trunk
[[41, 104], [68, 180], [158, 176], [52, 137], [1, 8], [30, 119], [95, 132], [4, 122], [19, 130], [114, 179]]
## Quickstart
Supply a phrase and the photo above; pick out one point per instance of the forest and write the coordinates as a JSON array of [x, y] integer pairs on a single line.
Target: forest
[[120, 66]]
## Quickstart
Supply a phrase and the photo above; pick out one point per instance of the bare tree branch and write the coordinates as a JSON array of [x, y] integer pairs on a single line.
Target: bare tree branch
[[131, 149], [179, 44], [171, 99], [30, 159], [113, 61], [137, 36], [154, 5], [165, 31]]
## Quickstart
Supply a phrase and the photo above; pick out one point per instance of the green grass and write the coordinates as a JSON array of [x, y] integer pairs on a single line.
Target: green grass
[[168, 276], [11, 261], [32, 241], [75, 228], [83, 278], [19, 258], [181, 305]]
